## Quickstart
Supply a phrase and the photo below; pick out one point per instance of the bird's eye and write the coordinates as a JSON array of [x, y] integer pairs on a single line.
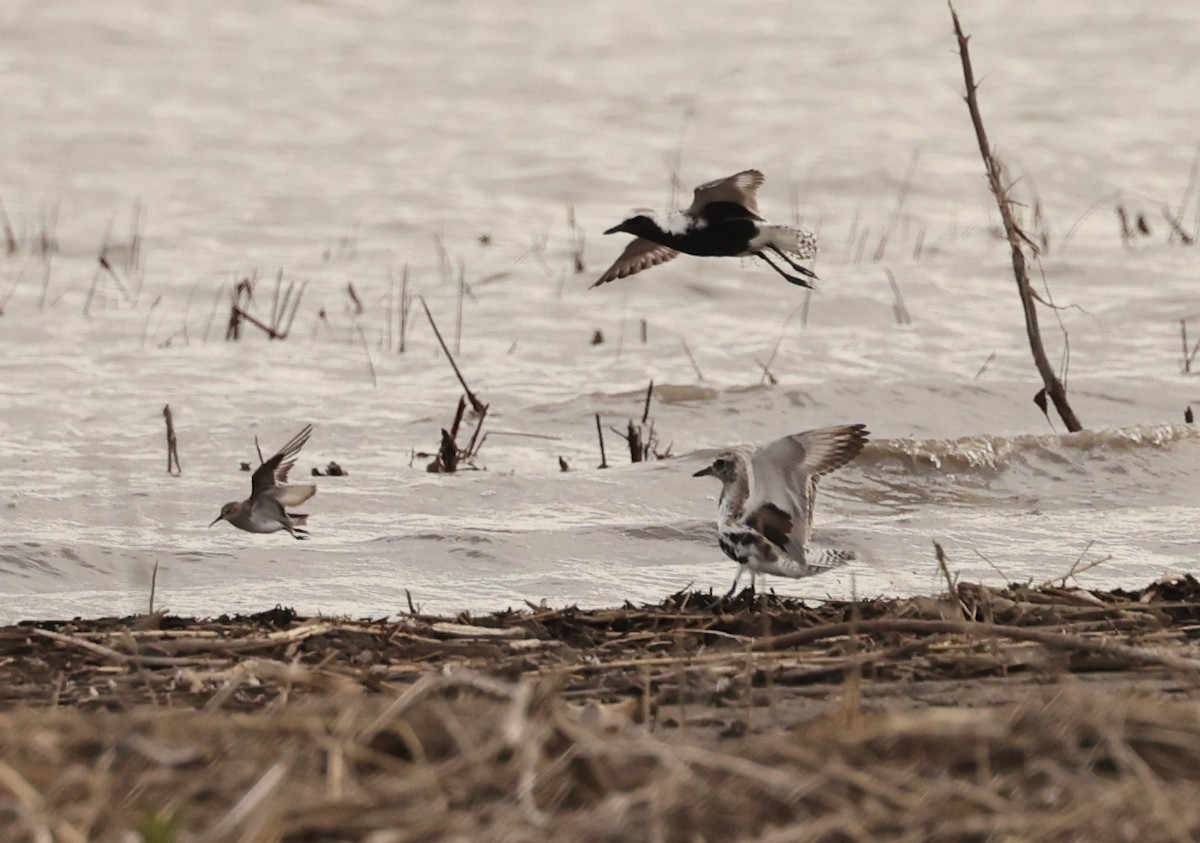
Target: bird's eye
[[720, 464]]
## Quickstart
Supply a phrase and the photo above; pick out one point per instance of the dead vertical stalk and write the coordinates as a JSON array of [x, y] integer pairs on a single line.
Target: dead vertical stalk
[[458, 313], [173, 467], [600, 435], [367, 350], [405, 307], [1017, 239], [153, 586], [476, 404], [691, 358]]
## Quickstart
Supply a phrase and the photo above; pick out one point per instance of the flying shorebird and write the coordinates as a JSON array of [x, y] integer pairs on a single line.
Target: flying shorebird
[[722, 221], [764, 517], [265, 510]]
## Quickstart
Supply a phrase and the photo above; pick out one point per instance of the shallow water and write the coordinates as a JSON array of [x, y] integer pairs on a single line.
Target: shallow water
[[340, 142]]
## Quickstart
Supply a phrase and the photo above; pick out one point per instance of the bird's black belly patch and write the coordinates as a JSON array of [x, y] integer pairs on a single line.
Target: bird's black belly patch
[[744, 546], [772, 522]]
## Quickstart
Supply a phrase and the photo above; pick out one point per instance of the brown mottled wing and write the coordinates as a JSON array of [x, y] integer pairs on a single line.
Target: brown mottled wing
[[740, 188], [274, 471], [638, 255], [784, 473]]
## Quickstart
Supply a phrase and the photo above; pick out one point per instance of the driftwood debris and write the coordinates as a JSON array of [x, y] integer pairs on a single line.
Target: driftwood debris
[[747, 718]]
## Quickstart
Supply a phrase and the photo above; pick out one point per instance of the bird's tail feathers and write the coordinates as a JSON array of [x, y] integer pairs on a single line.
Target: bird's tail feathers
[[796, 241], [826, 558], [299, 519]]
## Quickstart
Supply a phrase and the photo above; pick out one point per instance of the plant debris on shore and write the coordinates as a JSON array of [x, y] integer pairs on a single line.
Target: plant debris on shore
[[1023, 713]]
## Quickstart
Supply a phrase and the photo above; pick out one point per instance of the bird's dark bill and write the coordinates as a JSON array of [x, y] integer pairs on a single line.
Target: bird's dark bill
[[616, 229], [215, 520], [704, 472]]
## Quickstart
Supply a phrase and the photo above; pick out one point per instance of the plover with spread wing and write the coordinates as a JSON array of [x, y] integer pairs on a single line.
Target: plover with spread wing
[[265, 511], [722, 221], [764, 517]]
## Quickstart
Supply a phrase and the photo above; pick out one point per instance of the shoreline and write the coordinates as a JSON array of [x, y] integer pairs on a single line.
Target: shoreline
[[742, 718]]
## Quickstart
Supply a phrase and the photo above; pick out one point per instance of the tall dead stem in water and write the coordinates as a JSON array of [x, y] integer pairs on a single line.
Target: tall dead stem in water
[[476, 405], [173, 467], [1052, 387]]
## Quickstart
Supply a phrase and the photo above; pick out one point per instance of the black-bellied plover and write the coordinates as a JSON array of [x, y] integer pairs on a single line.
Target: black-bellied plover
[[722, 221], [764, 517], [265, 511]]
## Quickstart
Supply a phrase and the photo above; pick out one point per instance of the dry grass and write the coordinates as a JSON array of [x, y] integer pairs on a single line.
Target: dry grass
[[654, 723]]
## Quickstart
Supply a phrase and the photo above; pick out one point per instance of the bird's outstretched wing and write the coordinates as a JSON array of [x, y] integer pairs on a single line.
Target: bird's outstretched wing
[[274, 471], [739, 189], [640, 254], [784, 480]]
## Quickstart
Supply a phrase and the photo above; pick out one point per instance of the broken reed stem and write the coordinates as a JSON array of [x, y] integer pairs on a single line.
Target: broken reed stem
[[107, 267], [153, 585], [688, 351], [1178, 229], [1183, 339], [1187, 193], [476, 404], [766, 367], [951, 588], [600, 435], [212, 314], [367, 350], [986, 363], [287, 329], [633, 437], [1017, 239], [901, 198], [10, 238], [475, 443], [242, 315], [405, 308], [172, 444], [354, 298], [899, 308], [1058, 640], [45, 282], [149, 317], [458, 313], [87, 303], [646, 406], [391, 303], [458, 417], [275, 297]]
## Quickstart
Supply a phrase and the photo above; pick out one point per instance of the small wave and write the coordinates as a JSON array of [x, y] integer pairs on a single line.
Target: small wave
[[995, 453]]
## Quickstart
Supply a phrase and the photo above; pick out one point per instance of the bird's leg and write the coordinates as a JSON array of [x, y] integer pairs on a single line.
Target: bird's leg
[[793, 279], [801, 269], [733, 587]]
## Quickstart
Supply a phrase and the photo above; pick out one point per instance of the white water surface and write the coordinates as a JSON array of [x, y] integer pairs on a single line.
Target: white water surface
[[340, 142]]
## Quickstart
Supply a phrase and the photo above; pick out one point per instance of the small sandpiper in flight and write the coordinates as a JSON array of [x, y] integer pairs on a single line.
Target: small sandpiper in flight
[[722, 221], [265, 510], [764, 518]]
